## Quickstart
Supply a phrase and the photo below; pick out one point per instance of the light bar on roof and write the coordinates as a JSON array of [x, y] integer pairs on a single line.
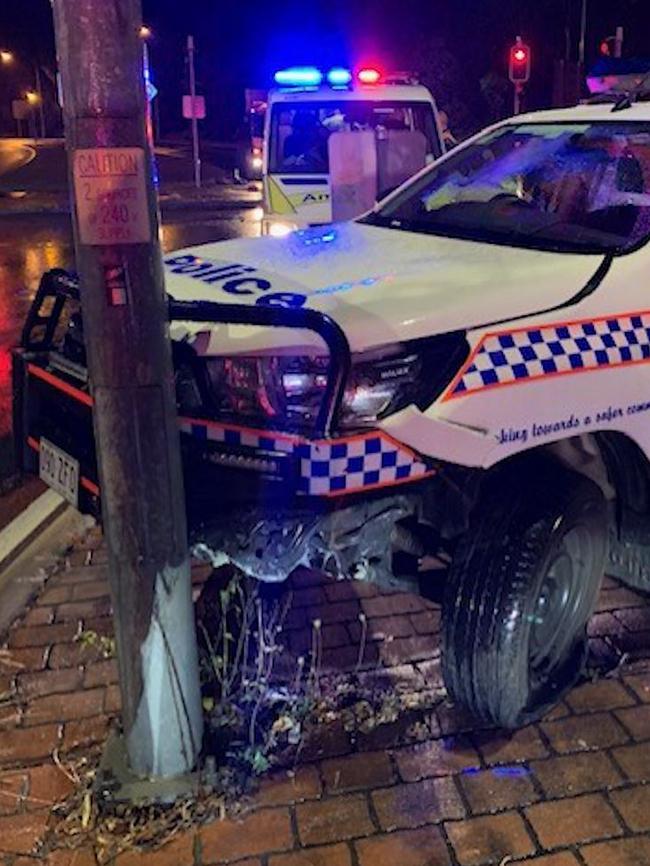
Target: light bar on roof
[[299, 76], [339, 77], [369, 75]]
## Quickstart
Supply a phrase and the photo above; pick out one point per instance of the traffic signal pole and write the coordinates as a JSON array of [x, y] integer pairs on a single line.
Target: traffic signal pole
[[519, 70], [123, 300], [196, 158]]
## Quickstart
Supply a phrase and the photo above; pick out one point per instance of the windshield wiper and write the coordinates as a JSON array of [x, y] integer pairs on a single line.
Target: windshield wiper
[[628, 99], [378, 219]]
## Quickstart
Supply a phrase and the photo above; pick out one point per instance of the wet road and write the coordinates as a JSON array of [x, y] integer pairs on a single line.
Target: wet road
[[30, 245], [41, 166]]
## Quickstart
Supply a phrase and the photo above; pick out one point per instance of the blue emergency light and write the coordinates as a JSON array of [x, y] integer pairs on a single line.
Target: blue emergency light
[[339, 77], [299, 76]]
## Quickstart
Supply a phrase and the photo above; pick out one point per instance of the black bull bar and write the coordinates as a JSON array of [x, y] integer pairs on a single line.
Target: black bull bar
[[36, 402]]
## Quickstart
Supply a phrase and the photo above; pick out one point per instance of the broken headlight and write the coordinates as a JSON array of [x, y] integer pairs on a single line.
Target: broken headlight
[[287, 392]]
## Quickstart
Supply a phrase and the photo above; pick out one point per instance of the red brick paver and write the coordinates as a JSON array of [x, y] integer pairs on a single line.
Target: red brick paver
[[430, 788]]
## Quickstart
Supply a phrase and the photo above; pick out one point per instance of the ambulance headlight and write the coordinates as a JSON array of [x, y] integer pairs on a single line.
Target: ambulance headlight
[[278, 228]]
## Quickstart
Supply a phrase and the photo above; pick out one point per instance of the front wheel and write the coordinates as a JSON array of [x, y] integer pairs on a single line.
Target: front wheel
[[522, 586]]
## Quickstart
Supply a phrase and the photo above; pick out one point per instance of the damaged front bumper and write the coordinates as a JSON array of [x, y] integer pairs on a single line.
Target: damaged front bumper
[[269, 500]]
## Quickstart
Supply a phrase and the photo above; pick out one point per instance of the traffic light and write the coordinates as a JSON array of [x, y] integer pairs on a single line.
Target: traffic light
[[612, 46], [519, 66]]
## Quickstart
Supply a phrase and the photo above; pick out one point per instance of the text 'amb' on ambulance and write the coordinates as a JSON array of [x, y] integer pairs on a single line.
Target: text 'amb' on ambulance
[[337, 141]]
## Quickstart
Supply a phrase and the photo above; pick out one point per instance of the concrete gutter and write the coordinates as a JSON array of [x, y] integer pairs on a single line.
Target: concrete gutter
[[31, 546], [15, 537]]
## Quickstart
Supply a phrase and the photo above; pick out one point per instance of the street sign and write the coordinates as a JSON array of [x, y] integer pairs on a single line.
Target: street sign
[[151, 89], [194, 107]]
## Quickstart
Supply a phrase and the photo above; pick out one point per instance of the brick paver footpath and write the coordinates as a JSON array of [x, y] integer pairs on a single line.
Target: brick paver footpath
[[572, 790]]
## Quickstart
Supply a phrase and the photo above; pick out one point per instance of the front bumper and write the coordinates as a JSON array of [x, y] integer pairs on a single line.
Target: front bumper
[[223, 463], [323, 467]]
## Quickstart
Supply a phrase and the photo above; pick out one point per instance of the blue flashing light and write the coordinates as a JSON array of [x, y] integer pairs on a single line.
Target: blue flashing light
[[339, 77], [296, 76], [310, 237]]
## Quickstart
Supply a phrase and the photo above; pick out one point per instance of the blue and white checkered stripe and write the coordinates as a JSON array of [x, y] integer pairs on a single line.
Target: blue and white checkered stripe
[[326, 468], [238, 438], [566, 348]]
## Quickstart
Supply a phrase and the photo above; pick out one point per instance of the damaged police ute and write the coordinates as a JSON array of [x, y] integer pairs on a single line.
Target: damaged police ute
[[449, 394]]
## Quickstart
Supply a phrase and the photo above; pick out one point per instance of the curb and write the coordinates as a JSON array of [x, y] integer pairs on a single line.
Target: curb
[[15, 537]]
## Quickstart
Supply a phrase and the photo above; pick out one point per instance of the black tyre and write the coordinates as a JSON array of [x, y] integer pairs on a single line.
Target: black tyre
[[522, 586], [629, 561]]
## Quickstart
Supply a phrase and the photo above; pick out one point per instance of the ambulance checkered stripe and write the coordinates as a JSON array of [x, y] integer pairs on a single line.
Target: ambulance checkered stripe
[[502, 359], [326, 467]]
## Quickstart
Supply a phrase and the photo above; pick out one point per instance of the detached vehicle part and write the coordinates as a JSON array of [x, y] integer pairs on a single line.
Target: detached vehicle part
[[448, 395]]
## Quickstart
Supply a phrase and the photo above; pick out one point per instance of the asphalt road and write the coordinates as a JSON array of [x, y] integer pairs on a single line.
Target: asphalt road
[[30, 245], [40, 166]]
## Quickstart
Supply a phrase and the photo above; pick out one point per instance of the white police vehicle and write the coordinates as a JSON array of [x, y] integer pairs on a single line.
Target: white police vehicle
[[396, 129], [452, 390]]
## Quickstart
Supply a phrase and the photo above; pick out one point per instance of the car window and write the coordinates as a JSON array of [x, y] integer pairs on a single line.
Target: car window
[[577, 187], [299, 132]]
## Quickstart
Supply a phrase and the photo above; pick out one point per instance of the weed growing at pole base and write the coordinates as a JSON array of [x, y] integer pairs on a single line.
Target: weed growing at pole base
[[264, 707]]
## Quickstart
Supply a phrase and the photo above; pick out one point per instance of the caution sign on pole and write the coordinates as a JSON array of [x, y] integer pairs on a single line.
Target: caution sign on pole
[[111, 195]]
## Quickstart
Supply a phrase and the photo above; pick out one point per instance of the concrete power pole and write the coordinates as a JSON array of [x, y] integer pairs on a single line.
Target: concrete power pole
[[123, 299]]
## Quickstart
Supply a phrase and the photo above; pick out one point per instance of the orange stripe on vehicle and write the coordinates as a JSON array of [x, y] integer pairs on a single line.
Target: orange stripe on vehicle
[[60, 384], [543, 376], [204, 422], [89, 485], [451, 392], [301, 440]]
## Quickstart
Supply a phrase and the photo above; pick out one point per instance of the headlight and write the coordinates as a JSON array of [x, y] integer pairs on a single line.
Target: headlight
[[287, 392], [278, 228]]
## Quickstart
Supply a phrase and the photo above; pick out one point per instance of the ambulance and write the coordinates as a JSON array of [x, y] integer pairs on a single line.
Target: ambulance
[[448, 395], [396, 129]]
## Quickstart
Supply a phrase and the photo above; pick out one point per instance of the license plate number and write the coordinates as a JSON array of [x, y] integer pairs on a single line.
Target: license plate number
[[59, 471]]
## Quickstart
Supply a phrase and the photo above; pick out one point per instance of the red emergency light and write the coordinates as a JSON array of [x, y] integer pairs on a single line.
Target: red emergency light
[[369, 75]]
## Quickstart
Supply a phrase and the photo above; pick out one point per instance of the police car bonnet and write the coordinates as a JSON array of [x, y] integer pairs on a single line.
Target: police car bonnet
[[381, 285]]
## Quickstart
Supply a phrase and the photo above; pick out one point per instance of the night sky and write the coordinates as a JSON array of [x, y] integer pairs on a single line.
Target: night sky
[[240, 43]]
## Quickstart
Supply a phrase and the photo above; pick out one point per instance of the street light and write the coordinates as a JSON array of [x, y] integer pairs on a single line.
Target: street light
[[146, 33], [34, 97]]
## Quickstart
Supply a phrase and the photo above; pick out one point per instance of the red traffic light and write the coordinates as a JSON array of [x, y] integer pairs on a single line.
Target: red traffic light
[[519, 66]]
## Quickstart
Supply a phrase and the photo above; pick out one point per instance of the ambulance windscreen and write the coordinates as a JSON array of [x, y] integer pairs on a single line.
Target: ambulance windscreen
[[300, 131]]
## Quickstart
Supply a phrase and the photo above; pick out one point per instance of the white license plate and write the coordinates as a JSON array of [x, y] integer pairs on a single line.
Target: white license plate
[[59, 471]]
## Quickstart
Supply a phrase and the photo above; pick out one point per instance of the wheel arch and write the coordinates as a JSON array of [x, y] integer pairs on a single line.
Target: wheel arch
[[618, 465]]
